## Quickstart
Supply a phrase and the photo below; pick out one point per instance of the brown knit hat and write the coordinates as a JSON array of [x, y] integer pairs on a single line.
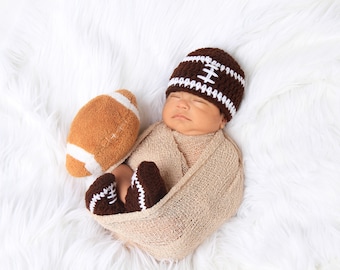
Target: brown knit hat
[[212, 74]]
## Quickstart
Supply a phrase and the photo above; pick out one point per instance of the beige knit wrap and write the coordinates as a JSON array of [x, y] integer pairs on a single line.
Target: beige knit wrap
[[197, 205]]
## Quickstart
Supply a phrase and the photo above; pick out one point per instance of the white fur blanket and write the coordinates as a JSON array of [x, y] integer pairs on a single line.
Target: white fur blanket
[[57, 55]]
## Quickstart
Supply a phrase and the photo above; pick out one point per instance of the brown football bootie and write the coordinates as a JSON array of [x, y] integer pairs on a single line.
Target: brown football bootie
[[147, 188], [101, 198]]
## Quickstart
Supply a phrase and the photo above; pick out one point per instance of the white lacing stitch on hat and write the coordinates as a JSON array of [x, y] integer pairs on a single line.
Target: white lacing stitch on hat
[[210, 73], [204, 89], [221, 67], [140, 189], [110, 190]]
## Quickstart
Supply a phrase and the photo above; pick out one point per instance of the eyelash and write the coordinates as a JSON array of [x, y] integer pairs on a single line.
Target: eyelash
[[172, 95], [199, 101]]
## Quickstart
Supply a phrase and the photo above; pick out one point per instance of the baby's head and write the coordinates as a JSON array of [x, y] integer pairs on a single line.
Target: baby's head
[[204, 92]]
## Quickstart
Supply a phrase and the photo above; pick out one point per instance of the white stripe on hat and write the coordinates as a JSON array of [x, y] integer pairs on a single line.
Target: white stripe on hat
[[83, 156], [204, 89], [125, 102], [221, 67]]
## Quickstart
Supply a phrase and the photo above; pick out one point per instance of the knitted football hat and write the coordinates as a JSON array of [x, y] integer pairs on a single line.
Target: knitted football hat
[[212, 74]]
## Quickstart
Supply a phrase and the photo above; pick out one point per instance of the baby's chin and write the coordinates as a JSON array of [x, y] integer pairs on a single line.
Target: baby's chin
[[189, 127]]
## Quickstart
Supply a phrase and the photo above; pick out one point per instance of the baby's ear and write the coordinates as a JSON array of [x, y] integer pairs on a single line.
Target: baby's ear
[[102, 134], [224, 120]]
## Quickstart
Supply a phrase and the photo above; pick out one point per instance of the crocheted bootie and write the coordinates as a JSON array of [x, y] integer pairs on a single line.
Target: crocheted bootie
[[101, 198], [147, 188]]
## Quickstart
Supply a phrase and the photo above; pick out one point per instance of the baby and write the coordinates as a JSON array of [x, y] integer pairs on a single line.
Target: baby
[[204, 93]]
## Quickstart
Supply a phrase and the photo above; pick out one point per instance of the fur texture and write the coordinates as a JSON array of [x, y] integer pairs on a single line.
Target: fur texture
[[57, 55]]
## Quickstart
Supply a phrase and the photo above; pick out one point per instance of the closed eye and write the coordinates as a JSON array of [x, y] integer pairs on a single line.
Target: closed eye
[[173, 95], [200, 100]]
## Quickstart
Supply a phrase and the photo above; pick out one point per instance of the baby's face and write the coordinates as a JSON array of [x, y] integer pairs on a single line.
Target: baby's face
[[191, 115]]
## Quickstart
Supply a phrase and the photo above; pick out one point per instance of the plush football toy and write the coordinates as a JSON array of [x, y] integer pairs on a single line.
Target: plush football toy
[[102, 134]]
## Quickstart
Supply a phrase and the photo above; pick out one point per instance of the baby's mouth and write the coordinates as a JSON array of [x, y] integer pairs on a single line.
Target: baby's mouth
[[180, 116]]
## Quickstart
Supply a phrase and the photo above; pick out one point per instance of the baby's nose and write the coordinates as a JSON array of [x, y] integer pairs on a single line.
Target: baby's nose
[[182, 103]]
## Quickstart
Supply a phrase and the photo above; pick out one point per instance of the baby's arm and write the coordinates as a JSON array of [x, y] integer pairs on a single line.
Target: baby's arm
[[123, 174]]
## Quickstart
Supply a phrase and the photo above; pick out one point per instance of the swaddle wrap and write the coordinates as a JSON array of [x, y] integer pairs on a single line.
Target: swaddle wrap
[[197, 205]]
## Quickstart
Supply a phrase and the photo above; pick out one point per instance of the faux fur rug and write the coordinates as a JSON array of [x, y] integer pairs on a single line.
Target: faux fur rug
[[57, 55]]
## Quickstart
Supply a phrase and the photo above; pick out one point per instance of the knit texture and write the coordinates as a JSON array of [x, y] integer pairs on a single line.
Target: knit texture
[[147, 188], [197, 205], [212, 74], [148, 148], [101, 198], [191, 147]]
